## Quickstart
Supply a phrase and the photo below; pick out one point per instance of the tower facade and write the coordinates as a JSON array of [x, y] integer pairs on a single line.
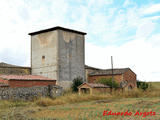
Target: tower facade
[[58, 53]]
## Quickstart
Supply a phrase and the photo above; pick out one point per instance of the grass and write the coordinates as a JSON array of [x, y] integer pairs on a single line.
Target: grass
[[155, 85], [89, 110], [69, 98], [72, 106]]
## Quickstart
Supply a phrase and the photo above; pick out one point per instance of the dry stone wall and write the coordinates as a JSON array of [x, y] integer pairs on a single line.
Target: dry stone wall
[[29, 93]]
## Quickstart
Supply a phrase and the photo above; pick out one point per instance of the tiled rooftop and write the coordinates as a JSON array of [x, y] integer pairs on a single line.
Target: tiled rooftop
[[96, 85], [109, 72], [24, 77]]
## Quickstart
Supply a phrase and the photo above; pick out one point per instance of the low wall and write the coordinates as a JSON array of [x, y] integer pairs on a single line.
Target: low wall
[[15, 70], [29, 93], [65, 84]]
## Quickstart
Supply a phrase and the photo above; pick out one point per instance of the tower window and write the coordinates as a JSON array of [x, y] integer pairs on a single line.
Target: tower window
[[43, 57]]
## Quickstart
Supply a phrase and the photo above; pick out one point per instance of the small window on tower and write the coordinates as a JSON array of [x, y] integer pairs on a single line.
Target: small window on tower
[[43, 57]]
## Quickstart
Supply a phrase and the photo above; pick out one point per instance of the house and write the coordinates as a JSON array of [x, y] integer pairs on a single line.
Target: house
[[25, 81], [93, 88], [124, 76]]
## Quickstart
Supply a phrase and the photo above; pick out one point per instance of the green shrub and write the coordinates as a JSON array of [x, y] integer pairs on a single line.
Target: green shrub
[[142, 85], [108, 82], [76, 82]]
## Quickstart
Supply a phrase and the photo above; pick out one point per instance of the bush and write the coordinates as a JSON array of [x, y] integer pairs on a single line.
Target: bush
[[76, 82], [108, 82], [142, 85]]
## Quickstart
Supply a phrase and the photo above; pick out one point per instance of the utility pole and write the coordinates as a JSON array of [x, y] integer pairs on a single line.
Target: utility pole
[[112, 71]]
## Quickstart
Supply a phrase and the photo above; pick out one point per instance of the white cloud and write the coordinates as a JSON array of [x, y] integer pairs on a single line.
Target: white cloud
[[145, 28], [152, 9], [100, 3], [141, 56], [108, 26], [128, 2], [18, 18]]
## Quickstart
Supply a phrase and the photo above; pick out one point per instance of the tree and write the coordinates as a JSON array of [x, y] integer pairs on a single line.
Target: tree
[[108, 82], [76, 82], [142, 85]]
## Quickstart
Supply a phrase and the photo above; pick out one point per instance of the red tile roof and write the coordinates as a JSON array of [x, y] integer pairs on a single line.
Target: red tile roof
[[95, 85], [117, 71], [24, 77]]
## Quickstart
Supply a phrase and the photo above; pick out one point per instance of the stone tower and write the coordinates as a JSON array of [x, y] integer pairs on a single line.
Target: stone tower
[[58, 53]]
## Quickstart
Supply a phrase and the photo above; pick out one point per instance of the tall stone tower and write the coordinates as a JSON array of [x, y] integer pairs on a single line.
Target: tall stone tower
[[58, 53]]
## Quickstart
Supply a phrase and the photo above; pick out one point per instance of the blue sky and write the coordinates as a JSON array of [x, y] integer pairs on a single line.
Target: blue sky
[[126, 29]]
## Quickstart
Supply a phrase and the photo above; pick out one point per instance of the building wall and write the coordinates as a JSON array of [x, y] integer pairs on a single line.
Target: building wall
[[93, 90], [71, 57], [64, 56], [3, 81], [131, 78], [96, 78], [29, 83], [88, 71], [15, 70], [44, 54], [101, 90], [128, 76]]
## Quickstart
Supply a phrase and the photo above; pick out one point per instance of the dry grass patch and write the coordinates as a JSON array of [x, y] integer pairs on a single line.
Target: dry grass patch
[[49, 102], [75, 97], [91, 111], [136, 93], [70, 98]]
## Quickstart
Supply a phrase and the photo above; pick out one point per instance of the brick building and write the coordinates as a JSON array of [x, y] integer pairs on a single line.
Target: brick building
[[89, 69], [25, 81], [124, 76], [93, 88]]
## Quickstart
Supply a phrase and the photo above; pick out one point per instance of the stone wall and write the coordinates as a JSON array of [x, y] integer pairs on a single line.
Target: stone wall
[[58, 54], [44, 56], [15, 70], [71, 57], [29, 93]]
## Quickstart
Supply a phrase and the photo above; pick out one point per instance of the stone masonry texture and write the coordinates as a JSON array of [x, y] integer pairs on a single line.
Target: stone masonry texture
[[59, 55], [29, 93]]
